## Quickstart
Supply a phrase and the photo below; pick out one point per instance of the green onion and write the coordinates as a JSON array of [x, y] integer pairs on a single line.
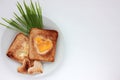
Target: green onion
[[30, 17]]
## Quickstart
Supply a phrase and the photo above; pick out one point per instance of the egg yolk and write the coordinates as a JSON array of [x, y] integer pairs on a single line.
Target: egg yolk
[[43, 44]]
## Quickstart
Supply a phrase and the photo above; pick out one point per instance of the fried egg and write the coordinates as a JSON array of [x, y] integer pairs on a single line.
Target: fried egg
[[43, 45]]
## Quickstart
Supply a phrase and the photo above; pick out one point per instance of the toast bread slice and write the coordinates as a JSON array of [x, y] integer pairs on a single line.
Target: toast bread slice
[[30, 67], [49, 36], [18, 50]]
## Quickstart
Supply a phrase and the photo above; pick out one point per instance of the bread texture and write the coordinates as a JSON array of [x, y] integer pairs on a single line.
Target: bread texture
[[45, 37], [36, 68], [18, 50], [30, 67], [25, 65]]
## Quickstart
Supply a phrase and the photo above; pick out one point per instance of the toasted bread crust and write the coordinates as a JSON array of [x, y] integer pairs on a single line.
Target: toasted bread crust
[[36, 68], [25, 65], [48, 34], [17, 45], [30, 67]]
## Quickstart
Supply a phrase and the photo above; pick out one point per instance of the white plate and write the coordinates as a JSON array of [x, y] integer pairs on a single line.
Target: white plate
[[49, 67]]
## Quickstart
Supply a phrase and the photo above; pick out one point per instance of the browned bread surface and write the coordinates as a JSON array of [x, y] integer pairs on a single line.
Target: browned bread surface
[[47, 34], [25, 65], [18, 50], [36, 68], [30, 67]]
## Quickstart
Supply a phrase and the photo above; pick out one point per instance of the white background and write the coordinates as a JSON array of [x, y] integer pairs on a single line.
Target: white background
[[91, 29]]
